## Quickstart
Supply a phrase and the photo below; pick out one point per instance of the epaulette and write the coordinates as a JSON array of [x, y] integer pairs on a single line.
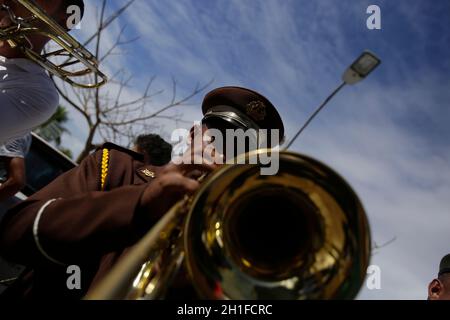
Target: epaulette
[[105, 160]]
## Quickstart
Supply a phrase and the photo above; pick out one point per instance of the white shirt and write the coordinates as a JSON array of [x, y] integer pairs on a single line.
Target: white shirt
[[17, 148], [28, 97]]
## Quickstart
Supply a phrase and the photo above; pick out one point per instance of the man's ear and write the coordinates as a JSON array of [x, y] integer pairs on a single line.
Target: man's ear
[[192, 132], [434, 289]]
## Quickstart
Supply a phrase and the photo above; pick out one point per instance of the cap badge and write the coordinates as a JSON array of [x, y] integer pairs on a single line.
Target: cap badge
[[256, 110]]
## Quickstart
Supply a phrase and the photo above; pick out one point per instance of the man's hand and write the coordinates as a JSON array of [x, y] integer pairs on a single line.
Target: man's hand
[[173, 182], [177, 180], [5, 19], [16, 178]]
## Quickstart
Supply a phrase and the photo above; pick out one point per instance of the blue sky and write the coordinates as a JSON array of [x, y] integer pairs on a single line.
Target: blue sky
[[388, 135]]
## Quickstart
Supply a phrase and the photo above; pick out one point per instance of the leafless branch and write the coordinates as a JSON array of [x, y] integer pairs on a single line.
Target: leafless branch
[[376, 247], [109, 114]]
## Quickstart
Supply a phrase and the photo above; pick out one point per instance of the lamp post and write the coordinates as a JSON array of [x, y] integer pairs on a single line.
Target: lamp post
[[358, 70]]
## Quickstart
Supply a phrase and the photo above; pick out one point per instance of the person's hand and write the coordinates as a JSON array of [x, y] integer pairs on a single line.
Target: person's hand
[[173, 182], [5, 20]]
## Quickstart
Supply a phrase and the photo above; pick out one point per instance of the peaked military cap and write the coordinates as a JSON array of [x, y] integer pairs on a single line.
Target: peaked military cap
[[244, 108]]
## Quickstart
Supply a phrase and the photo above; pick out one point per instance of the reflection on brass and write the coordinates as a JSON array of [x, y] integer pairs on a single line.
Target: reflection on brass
[[301, 234]]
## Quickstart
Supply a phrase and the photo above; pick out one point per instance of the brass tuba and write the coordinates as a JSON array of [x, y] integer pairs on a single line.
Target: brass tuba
[[71, 52], [300, 234]]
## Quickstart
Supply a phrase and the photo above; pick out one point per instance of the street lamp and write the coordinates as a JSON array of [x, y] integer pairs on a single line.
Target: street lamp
[[358, 70], [361, 68]]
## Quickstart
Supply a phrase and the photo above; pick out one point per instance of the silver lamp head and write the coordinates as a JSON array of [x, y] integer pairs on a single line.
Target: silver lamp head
[[361, 68]]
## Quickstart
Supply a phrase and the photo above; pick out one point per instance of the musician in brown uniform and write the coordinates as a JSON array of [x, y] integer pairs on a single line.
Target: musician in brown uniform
[[92, 215]]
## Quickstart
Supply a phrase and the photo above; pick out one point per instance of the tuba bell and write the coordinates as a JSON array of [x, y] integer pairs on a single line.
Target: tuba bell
[[300, 234], [71, 52]]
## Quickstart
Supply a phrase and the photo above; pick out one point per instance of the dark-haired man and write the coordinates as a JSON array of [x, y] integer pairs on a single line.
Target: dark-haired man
[[28, 96], [439, 288], [155, 149]]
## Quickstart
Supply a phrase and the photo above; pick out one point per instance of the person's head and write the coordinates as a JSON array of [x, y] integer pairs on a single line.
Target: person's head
[[439, 288], [156, 150], [67, 13], [240, 108], [60, 10]]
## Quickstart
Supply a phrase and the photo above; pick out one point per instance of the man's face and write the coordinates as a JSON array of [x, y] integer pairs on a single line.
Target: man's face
[[200, 139], [51, 7], [439, 289], [218, 128]]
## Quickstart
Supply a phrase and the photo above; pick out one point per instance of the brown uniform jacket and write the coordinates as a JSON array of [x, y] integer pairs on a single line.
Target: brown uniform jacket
[[84, 226]]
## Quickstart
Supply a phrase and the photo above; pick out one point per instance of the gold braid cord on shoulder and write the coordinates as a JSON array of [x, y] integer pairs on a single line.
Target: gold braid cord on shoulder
[[105, 167]]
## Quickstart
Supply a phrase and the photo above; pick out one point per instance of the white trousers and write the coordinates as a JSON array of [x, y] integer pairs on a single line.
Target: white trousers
[[28, 97]]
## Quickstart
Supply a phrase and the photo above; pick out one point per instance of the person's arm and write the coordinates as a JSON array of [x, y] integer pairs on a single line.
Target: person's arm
[[71, 221], [16, 178]]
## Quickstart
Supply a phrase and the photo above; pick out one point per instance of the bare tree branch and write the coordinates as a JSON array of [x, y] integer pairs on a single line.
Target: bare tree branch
[[109, 113], [376, 247], [171, 105], [108, 21]]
